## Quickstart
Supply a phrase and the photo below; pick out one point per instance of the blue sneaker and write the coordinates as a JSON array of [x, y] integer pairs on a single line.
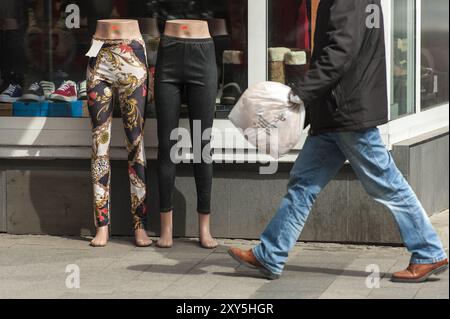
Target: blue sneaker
[[11, 94]]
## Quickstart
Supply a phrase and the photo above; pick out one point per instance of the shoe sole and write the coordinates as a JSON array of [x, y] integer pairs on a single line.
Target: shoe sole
[[9, 99], [267, 274], [62, 99], [82, 95], [436, 272], [32, 98]]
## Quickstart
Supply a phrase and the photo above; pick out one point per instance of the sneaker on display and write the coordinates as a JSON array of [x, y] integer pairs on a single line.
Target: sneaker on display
[[82, 94], [11, 94], [48, 87], [35, 93], [67, 92]]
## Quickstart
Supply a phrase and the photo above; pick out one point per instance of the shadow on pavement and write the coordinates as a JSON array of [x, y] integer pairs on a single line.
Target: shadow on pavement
[[189, 265]]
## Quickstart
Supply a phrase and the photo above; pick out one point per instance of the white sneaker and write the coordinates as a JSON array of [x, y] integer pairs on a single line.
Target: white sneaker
[[48, 87], [82, 90]]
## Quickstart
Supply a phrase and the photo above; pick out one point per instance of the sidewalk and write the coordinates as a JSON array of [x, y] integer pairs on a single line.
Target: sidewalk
[[34, 267]]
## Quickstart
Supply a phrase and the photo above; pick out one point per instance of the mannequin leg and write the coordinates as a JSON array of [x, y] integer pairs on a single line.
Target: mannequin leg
[[168, 101], [166, 239], [201, 114], [101, 237], [100, 110], [133, 111], [206, 239]]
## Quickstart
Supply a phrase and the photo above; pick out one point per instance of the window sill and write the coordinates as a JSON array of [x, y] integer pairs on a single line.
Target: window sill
[[70, 138]]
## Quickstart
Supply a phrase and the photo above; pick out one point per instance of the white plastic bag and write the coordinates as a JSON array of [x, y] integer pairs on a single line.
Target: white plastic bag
[[268, 119]]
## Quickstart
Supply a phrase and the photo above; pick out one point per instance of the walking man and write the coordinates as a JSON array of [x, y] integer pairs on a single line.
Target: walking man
[[345, 92]]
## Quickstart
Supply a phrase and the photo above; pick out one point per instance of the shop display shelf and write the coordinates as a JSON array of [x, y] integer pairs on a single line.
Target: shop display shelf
[[22, 109], [5, 109], [72, 109], [48, 109]]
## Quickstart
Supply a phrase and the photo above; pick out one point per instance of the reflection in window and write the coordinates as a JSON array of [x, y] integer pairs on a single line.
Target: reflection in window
[[434, 53], [403, 64], [39, 50]]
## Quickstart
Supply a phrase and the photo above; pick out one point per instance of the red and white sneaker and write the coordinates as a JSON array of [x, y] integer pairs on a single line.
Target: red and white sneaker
[[67, 92]]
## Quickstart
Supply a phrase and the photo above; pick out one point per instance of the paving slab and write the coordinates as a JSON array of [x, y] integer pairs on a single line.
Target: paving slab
[[35, 267]]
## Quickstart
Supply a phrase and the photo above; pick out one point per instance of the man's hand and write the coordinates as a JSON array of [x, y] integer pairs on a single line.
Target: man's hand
[[295, 99]]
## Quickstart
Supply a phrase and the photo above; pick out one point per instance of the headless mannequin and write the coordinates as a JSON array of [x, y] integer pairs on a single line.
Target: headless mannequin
[[150, 33], [149, 26], [193, 29], [218, 27], [116, 29], [222, 42]]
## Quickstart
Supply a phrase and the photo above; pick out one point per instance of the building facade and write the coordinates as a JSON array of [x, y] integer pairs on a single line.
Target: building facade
[[45, 158]]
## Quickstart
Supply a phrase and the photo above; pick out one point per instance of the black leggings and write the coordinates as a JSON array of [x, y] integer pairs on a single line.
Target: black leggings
[[185, 64]]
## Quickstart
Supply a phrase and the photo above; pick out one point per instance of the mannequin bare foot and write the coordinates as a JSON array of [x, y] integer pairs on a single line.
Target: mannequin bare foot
[[141, 238], [206, 239], [166, 239], [101, 237]]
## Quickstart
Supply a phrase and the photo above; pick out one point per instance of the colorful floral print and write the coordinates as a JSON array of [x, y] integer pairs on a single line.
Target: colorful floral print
[[120, 65]]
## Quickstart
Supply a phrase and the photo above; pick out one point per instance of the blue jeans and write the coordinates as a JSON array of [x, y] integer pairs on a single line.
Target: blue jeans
[[321, 159]]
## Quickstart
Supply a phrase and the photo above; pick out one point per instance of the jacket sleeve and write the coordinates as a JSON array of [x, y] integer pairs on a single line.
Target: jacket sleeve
[[344, 40]]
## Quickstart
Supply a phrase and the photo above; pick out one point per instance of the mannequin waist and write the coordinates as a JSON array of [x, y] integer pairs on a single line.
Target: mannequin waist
[[187, 29], [117, 30]]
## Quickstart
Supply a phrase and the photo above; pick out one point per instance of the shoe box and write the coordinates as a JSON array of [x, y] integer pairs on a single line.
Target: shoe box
[[48, 109]]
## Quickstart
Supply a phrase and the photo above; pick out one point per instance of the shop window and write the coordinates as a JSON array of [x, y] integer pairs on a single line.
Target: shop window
[[42, 42], [434, 53], [290, 38], [403, 53]]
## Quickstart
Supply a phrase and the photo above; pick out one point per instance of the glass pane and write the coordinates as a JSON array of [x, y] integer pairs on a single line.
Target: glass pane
[[403, 53], [41, 40], [290, 42], [434, 71]]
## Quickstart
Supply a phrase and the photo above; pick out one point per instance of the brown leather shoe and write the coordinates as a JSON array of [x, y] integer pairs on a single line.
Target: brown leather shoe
[[248, 259], [417, 273]]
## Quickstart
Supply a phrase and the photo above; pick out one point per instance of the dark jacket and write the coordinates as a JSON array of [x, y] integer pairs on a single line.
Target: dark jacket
[[346, 86]]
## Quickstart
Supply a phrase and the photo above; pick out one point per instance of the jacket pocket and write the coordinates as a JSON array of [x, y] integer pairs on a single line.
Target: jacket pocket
[[336, 93]]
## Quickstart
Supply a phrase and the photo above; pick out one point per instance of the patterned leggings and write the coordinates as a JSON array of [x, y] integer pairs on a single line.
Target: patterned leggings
[[121, 65]]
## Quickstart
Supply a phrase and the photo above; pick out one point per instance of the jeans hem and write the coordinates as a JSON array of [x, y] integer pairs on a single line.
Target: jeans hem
[[418, 261], [263, 263]]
